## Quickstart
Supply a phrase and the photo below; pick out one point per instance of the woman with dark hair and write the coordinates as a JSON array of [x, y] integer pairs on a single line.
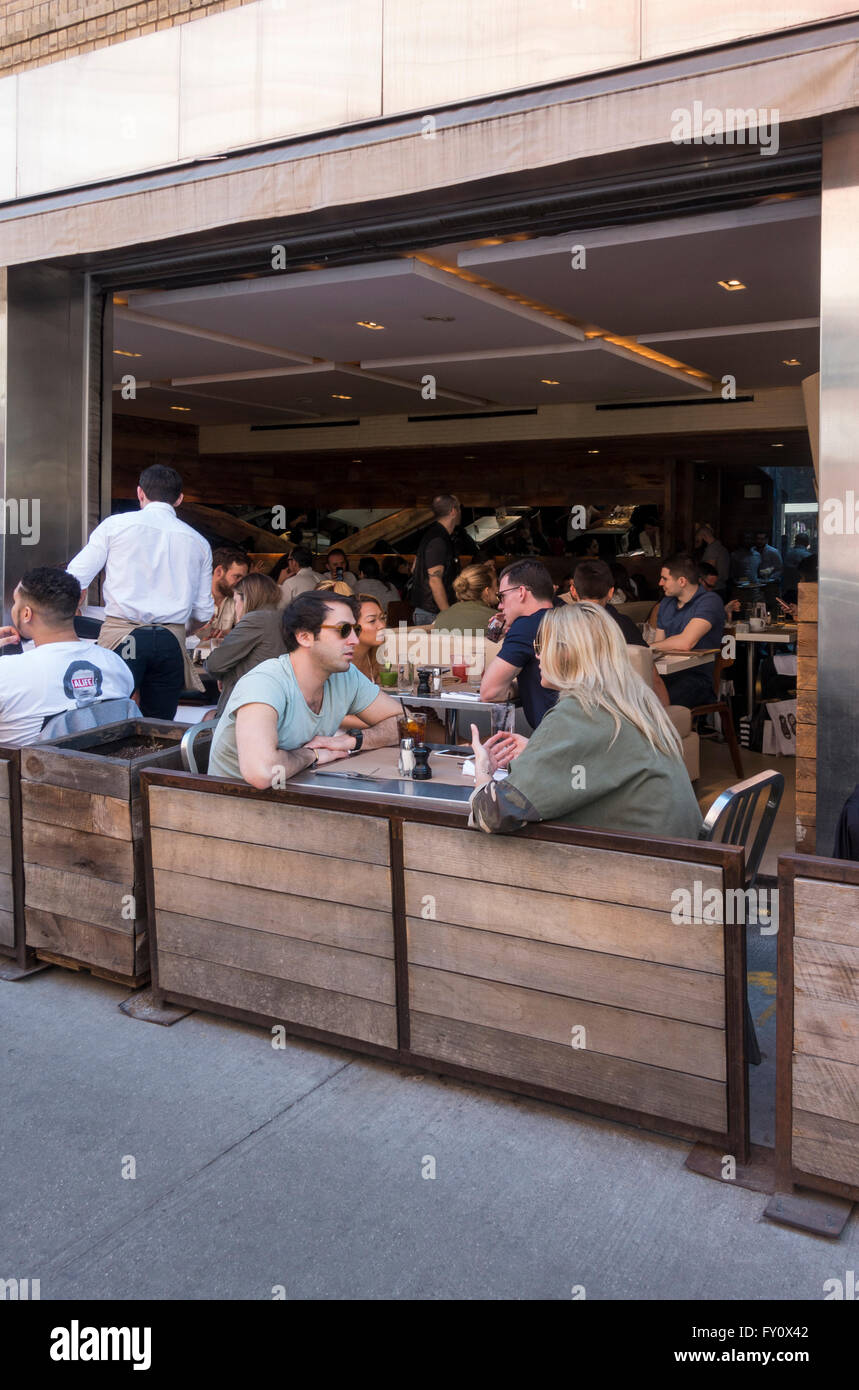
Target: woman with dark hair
[[256, 637]]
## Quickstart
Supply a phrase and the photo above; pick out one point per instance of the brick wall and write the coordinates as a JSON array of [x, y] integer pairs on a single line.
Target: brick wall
[[33, 33]]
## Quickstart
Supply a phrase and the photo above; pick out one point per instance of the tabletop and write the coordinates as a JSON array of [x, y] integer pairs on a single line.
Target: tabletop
[[375, 773]]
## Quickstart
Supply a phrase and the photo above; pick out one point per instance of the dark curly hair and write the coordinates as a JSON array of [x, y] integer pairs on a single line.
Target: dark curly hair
[[53, 592], [308, 612]]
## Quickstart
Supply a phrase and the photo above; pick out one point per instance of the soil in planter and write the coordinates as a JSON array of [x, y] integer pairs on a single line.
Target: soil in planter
[[130, 748]]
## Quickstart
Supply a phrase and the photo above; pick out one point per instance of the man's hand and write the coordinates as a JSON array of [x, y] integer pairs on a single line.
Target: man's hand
[[340, 743], [325, 753], [9, 636], [503, 747]]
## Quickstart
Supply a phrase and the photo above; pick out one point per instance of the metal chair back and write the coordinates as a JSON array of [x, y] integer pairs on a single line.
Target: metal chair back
[[196, 746], [731, 817]]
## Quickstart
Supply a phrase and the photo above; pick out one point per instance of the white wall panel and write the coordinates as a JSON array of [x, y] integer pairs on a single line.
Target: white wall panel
[[219, 75], [446, 50], [8, 136], [106, 113], [676, 26]]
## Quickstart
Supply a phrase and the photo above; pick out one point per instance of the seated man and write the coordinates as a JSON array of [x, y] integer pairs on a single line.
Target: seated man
[[300, 577], [62, 671], [592, 581], [690, 617], [285, 714], [229, 565], [338, 568], [525, 595]]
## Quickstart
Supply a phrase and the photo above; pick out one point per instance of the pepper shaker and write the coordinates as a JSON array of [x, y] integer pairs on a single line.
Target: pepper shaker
[[423, 771]]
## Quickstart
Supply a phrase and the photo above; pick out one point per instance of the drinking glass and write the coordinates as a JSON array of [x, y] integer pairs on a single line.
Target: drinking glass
[[501, 718], [412, 724]]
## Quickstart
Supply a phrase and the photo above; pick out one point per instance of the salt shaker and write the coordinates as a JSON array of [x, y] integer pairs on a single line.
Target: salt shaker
[[407, 757]]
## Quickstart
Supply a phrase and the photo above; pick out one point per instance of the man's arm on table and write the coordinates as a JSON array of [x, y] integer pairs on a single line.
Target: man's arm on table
[[259, 755], [692, 633], [497, 680], [380, 718]]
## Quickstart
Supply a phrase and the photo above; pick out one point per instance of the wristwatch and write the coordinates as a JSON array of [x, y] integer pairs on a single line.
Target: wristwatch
[[358, 735]]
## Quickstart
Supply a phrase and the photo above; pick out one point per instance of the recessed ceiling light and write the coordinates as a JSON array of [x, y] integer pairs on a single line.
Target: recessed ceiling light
[[548, 381], [791, 361], [434, 318], [593, 451], [469, 458], [777, 446], [367, 323], [123, 352], [357, 460], [732, 284], [335, 396], [180, 407]]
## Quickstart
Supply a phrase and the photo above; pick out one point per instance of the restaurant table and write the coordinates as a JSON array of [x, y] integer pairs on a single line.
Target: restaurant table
[[448, 704], [782, 634], [672, 662], [375, 773]]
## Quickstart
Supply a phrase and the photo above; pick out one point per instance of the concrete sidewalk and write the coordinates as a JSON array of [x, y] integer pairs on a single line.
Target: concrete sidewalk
[[302, 1167]]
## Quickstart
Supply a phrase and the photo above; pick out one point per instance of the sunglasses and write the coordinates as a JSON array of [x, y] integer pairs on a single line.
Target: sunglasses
[[503, 592], [343, 629]]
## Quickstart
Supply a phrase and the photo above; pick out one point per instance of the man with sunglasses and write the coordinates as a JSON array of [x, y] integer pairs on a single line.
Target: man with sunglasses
[[286, 714], [525, 592]]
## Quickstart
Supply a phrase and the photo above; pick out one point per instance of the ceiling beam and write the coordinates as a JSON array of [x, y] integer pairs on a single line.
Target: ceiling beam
[[210, 334], [225, 524]]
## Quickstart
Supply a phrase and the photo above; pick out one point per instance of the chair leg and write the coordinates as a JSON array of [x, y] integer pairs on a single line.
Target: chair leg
[[727, 719]]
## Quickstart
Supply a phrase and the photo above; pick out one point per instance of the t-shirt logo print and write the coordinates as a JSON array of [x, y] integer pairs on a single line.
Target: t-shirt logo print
[[82, 682]]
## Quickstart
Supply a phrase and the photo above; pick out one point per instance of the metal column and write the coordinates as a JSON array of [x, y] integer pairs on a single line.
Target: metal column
[[50, 416], [838, 617]]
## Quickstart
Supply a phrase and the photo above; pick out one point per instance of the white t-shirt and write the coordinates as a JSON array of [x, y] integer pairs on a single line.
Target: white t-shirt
[[52, 678]]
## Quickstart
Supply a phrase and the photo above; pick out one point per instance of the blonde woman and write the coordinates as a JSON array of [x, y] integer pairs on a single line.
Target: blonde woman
[[334, 586], [476, 590], [606, 755]]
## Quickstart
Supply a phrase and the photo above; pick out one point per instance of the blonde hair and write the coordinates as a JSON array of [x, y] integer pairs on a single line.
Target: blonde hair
[[583, 655], [334, 586], [469, 585]]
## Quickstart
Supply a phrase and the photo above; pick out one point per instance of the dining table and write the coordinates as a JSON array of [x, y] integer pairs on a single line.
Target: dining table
[[780, 634]]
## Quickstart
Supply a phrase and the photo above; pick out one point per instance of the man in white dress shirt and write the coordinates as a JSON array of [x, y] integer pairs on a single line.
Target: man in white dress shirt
[[61, 671], [157, 588]]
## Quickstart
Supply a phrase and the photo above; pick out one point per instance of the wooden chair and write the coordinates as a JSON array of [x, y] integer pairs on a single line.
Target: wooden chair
[[723, 709]]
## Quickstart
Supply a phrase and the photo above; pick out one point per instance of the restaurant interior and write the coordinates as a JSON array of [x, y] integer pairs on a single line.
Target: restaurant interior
[[655, 364]]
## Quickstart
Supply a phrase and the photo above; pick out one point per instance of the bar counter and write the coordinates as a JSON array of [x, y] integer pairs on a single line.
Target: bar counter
[[366, 914]]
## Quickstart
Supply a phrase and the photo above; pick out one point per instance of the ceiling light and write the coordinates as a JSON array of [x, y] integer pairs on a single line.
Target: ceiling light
[[593, 451], [791, 361], [548, 381], [367, 323], [469, 458], [777, 446], [357, 460], [434, 318], [180, 407], [335, 396], [732, 284], [123, 352]]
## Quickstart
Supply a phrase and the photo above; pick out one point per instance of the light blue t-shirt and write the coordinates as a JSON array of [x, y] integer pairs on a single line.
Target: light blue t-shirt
[[273, 683]]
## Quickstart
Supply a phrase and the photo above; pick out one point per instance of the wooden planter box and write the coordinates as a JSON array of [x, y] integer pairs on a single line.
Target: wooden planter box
[[11, 872], [84, 893]]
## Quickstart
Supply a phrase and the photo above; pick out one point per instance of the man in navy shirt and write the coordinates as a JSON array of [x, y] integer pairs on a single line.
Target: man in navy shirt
[[525, 592], [690, 617]]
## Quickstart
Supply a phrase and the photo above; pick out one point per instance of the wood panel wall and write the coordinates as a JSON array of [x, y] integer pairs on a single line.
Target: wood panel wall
[[275, 910], [512, 945], [806, 720], [819, 1061], [7, 897]]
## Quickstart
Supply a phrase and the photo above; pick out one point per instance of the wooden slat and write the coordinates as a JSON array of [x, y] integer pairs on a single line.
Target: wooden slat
[[691, 1099], [83, 941], [806, 707], [825, 1087], [308, 875], [824, 1029], [365, 838], [332, 924], [806, 672], [823, 970], [825, 1146], [58, 847], [88, 899], [65, 769], [100, 815], [6, 898], [806, 741], [806, 833], [826, 911], [663, 990], [807, 603], [806, 775], [307, 962], [679, 1046], [7, 928], [325, 1009], [614, 928], [5, 854], [806, 804], [5, 817], [807, 639], [4, 779], [605, 875]]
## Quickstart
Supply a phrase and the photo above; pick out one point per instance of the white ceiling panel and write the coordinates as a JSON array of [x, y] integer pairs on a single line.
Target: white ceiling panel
[[753, 359]]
